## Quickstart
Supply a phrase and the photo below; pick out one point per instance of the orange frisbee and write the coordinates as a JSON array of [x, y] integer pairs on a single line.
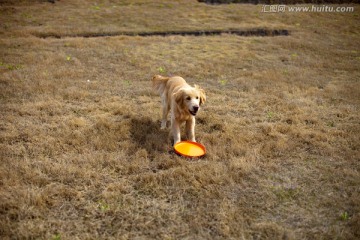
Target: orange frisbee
[[190, 149]]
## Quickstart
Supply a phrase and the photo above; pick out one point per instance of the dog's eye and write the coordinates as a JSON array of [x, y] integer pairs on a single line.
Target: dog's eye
[[197, 97], [188, 98]]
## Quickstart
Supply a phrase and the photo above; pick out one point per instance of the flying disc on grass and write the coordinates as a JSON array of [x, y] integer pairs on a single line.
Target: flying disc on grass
[[190, 149]]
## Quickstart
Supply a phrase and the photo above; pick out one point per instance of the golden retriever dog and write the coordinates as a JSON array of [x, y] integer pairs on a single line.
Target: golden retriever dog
[[182, 100]]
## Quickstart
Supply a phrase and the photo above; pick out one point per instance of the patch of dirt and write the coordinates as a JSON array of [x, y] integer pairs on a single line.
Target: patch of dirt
[[246, 32]]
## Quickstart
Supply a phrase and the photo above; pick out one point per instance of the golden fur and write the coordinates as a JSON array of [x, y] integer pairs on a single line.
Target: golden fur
[[182, 100]]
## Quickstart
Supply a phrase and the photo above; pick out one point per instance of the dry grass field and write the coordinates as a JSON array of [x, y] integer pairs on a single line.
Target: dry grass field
[[82, 153]]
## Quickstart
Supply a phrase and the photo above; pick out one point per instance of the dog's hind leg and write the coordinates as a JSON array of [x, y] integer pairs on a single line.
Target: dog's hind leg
[[165, 112]]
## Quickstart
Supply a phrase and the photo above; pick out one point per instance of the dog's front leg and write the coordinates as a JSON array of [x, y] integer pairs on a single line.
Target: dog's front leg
[[175, 127], [190, 129]]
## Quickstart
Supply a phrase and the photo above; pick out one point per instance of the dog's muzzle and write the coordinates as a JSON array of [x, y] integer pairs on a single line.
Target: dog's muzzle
[[194, 111]]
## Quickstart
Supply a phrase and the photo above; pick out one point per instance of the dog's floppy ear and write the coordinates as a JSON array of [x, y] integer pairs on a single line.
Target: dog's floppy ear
[[179, 97], [202, 94]]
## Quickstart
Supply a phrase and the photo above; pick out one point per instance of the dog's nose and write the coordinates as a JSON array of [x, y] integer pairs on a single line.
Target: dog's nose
[[196, 108]]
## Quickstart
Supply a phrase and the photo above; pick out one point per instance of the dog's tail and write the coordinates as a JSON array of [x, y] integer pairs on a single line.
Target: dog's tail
[[159, 83]]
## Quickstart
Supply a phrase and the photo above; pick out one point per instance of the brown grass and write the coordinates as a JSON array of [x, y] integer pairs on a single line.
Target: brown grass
[[83, 156]]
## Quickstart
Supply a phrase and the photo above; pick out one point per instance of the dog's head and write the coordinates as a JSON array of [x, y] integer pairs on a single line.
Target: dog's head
[[190, 99]]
